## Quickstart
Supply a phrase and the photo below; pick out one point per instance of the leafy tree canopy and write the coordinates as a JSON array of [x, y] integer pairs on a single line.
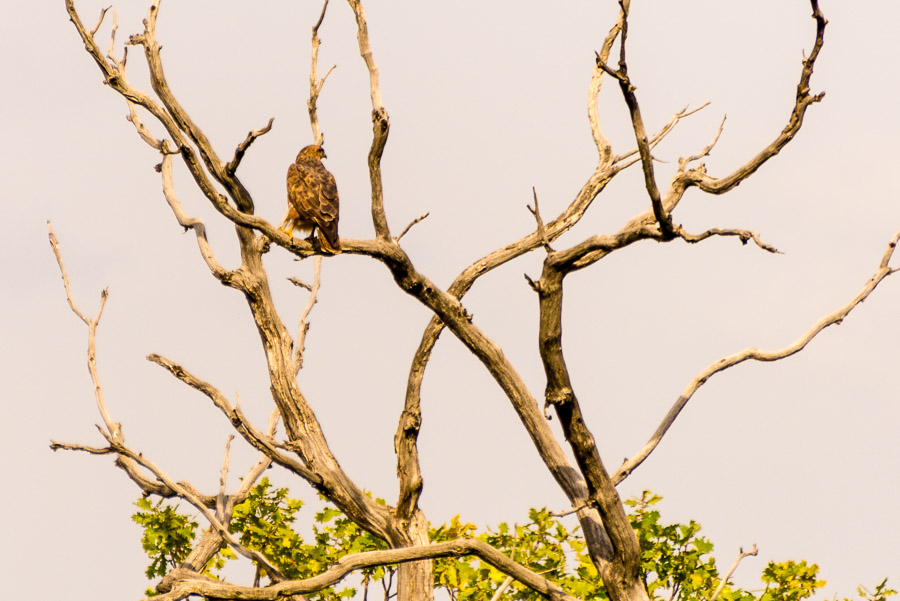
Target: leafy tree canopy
[[678, 563]]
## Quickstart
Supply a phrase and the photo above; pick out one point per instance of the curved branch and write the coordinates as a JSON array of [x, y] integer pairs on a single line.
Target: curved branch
[[244, 146], [192, 584], [712, 185], [600, 140], [754, 354]]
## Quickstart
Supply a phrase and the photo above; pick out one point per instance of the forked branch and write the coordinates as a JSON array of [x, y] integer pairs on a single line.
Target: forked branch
[[741, 555]]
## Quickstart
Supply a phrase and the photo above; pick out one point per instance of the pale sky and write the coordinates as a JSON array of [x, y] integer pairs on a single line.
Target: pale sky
[[486, 100]]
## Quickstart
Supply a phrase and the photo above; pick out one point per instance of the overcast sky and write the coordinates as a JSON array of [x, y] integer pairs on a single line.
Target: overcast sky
[[486, 99]]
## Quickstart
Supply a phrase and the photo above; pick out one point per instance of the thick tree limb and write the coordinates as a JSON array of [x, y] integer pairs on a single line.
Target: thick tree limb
[[754, 354], [189, 583]]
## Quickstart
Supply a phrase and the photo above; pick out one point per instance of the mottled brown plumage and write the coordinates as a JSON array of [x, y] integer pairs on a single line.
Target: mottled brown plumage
[[312, 199]]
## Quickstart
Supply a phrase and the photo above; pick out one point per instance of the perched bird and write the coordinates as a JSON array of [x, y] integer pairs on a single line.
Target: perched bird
[[312, 199]]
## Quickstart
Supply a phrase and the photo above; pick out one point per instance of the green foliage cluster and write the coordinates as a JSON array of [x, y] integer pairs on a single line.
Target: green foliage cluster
[[677, 563]]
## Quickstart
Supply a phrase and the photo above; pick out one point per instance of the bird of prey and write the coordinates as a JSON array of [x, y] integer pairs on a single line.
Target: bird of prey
[[312, 199]]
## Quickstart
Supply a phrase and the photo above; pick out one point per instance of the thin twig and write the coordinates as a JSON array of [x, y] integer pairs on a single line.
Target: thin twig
[[112, 37], [99, 21], [67, 446], [221, 501], [502, 588], [242, 148], [741, 555], [303, 327], [299, 283], [418, 219], [707, 149], [745, 236], [315, 84], [536, 212], [112, 427]]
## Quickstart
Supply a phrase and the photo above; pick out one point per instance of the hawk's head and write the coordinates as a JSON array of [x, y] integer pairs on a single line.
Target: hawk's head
[[313, 152]]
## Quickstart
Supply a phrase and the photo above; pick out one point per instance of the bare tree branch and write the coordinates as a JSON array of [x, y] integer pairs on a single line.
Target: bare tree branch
[[244, 146], [380, 123], [640, 132], [190, 583], [315, 84], [660, 135], [600, 140], [754, 354], [418, 219], [211, 542], [244, 427], [112, 427], [188, 496], [741, 555], [682, 163], [699, 178], [223, 483], [67, 446], [303, 328], [542, 231], [744, 235]]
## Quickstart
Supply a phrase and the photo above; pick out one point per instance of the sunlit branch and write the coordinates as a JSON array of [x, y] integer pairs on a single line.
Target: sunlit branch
[[741, 555], [189, 583], [637, 121], [112, 427], [380, 123], [712, 185], [754, 354]]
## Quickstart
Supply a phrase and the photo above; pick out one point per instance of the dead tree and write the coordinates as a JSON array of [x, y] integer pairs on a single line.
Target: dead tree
[[588, 484]]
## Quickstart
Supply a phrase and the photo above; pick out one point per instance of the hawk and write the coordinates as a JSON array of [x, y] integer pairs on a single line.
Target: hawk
[[312, 199]]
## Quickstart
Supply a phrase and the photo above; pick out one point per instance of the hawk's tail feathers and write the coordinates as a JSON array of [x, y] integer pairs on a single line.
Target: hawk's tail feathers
[[328, 238]]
